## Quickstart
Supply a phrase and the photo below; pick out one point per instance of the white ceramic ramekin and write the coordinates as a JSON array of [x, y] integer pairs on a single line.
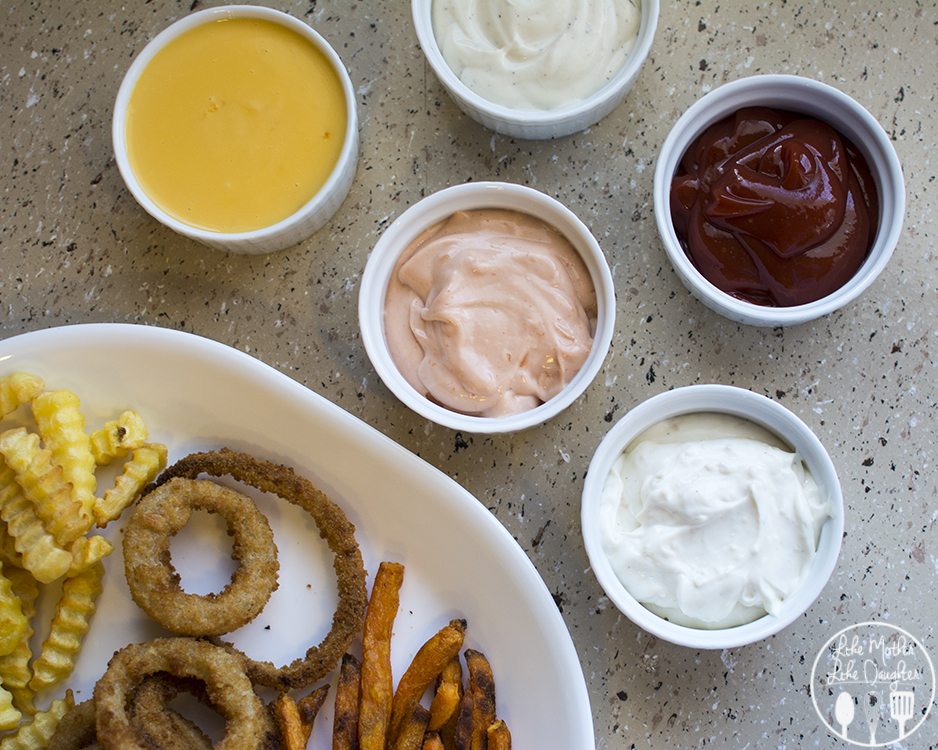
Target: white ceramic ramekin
[[817, 100], [430, 211], [295, 228], [536, 124], [762, 411]]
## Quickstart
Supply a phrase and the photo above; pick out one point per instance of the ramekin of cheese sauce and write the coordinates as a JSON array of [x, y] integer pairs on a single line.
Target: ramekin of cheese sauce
[[487, 307], [778, 199], [236, 126], [712, 516], [532, 69]]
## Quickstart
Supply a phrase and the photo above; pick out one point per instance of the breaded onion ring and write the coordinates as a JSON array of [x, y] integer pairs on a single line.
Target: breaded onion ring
[[248, 724], [154, 582], [76, 730], [334, 527], [159, 724]]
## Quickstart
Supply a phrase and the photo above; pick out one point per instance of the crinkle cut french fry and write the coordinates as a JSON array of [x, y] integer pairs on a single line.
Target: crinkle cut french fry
[[14, 667], [88, 550], [62, 428], [413, 728], [16, 389], [9, 716], [72, 619], [345, 723], [8, 553], [38, 550], [43, 482], [144, 464], [13, 622], [499, 738], [118, 437], [36, 734], [426, 666], [376, 686]]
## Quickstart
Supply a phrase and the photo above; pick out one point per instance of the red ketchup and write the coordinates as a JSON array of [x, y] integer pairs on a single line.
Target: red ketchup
[[774, 207]]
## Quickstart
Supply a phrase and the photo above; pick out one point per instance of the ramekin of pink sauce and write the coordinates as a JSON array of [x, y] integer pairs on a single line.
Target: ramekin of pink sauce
[[487, 307]]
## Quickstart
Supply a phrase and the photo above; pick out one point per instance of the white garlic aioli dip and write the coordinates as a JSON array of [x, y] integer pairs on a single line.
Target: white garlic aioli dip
[[710, 521], [535, 54]]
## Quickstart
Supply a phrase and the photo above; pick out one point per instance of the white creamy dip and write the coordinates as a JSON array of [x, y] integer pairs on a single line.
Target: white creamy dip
[[535, 54], [708, 521]]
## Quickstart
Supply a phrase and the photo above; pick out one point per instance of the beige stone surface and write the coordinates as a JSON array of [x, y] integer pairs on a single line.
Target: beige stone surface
[[75, 247]]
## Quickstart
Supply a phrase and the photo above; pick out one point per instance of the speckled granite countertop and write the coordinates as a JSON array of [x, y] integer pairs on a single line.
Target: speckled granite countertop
[[74, 247]]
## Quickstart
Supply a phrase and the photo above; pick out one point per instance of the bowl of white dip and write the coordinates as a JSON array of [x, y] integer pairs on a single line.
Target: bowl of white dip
[[536, 70], [712, 516], [487, 307]]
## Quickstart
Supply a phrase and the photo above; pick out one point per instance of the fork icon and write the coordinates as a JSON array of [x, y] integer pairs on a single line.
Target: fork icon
[[901, 703]]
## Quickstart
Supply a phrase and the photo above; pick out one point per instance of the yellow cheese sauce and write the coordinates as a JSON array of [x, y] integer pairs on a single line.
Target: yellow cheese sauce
[[235, 125]]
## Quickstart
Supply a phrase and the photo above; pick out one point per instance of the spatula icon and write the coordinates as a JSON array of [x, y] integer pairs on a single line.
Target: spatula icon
[[901, 704], [844, 711]]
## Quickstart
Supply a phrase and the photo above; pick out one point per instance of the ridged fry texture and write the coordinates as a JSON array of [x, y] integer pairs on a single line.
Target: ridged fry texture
[[72, 619], [62, 428], [44, 483], [9, 716], [142, 468], [12, 622], [40, 554], [37, 734], [118, 438], [14, 667], [16, 389]]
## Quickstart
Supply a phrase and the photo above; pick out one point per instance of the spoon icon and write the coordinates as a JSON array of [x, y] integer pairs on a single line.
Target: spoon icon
[[844, 711]]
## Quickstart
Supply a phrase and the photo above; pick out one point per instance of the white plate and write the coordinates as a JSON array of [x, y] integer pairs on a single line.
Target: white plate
[[460, 561]]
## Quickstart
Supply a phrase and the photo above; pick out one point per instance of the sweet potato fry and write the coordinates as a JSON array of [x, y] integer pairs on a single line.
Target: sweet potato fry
[[432, 741], [295, 718], [499, 738], [413, 729], [292, 736], [477, 711], [309, 706], [377, 685], [462, 732], [426, 666], [444, 709], [345, 727]]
